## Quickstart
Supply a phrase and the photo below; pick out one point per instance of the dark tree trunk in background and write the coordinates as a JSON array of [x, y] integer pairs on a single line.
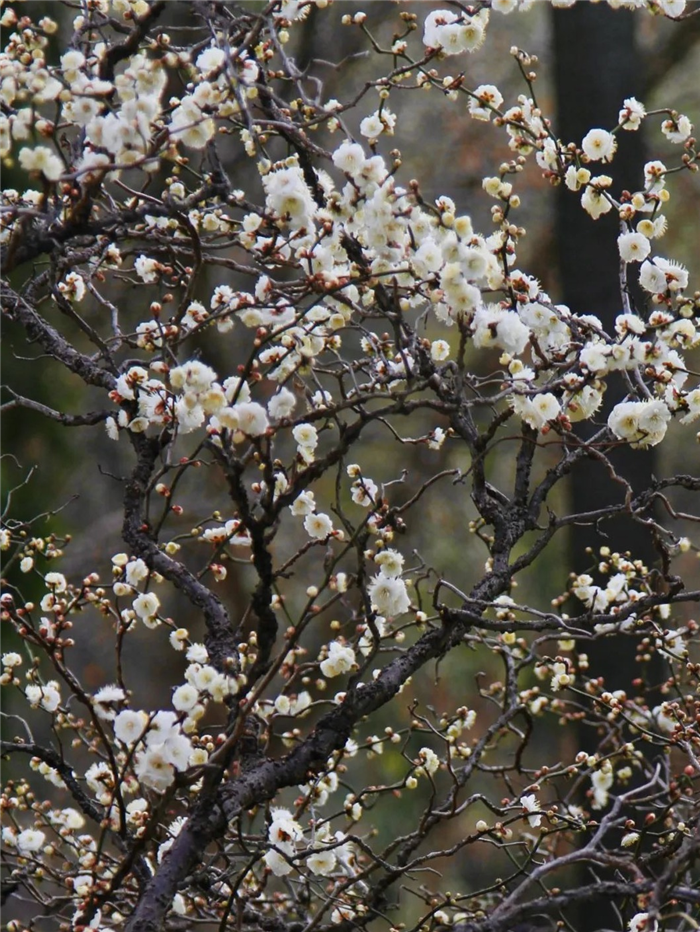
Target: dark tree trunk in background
[[597, 66]]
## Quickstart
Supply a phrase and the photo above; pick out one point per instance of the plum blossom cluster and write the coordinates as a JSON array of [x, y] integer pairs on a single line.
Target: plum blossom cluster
[[438, 262], [316, 524], [285, 834], [387, 591], [435, 257], [452, 33], [163, 749], [625, 581]]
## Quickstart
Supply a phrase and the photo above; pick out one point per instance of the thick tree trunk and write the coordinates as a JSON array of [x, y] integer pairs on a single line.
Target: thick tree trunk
[[597, 66]]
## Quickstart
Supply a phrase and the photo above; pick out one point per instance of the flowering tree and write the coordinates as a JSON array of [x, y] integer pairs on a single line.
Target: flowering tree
[[348, 313]]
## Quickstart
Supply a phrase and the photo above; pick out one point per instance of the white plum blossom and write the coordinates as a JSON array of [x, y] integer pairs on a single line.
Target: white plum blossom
[[633, 247], [663, 718], [439, 350], [388, 595], [434, 26], [153, 768], [632, 114], [304, 504], [602, 780], [147, 269], [189, 125], [43, 160], [652, 278], [486, 99], [672, 7], [581, 404], [365, 492], [47, 697], [366, 642], [56, 582], [248, 70], [429, 761], [236, 390], [692, 403], [599, 145], [179, 749], [356, 273], [129, 726], [306, 437], [131, 382], [73, 287], [167, 750], [318, 526], [595, 356], [428, 258], [99, 776], [146, 605], [654, 176], [676, 275], [642, 922], [289, 198], [340, 659], [163, 725], [349, 157], [594, 200], [390, 562], [629, 323], [284, 829], [532, 807], [206, 678], [592, 596], [185, 697], [454, 34], [30, 841], [251, 418], [71, 62], [294, 9], [322, 863], [136, 571], [677, 129], [193, 376], [210, 59], [381, 121], [70, 818], [539, 410], [277, 862], [494, 326], [561, 676], [281, 405], [436, 438], [105, 700], [641, 423], [575, 178]]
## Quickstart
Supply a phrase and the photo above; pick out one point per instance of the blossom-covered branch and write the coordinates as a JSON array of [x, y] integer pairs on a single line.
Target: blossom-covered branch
[[324, 662]]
